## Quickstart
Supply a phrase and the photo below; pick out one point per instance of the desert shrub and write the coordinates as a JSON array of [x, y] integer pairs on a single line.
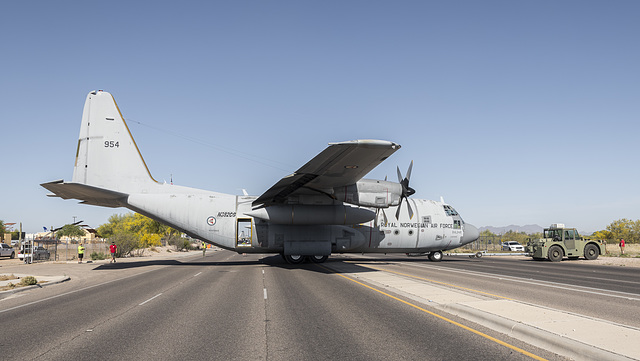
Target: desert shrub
[[28, 281], [127, 242], [150, 240], [180, 243], [98, 256]]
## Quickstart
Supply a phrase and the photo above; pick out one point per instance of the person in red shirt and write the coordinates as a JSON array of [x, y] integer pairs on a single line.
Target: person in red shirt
[[113, 248], [621, 246]]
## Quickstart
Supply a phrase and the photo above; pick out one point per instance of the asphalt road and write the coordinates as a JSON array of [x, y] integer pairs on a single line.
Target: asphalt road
[[227, 306], [606, 292]]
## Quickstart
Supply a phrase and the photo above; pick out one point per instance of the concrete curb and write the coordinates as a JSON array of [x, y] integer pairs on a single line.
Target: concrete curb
[[532, 335], [50, 281]]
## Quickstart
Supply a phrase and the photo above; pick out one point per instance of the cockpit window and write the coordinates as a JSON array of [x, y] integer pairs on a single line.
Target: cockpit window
[[449, 210]]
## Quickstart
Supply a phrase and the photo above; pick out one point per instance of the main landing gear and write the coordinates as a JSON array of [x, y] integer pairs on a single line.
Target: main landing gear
[[435, 256], [297, 259]]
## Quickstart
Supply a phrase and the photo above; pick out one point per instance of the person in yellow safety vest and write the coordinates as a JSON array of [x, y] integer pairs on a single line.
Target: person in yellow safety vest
[[204, 248], [80, 252]]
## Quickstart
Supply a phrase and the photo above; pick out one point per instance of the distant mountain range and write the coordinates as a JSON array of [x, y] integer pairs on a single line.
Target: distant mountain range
[[528, 229]]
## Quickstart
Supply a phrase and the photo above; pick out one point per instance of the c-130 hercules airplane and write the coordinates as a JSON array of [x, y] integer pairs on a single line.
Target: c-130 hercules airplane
[[324, 207]]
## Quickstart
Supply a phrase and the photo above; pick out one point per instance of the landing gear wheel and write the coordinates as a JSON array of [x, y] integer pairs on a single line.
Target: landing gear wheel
[[435, 256], [294, 258], [318, 259], [591, 252], [555, 254]]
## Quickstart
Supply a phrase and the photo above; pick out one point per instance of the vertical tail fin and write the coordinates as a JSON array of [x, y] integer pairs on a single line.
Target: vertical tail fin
[[107, 156]]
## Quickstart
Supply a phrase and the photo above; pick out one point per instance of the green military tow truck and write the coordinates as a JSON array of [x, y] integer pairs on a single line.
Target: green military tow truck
[[559, 242]]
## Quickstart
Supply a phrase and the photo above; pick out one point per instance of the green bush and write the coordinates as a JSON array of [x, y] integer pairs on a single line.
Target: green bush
[[127, 243], [98, 256], [28, 281], [181, 244]]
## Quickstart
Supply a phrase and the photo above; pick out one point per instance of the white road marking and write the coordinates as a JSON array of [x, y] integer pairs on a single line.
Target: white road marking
[[71, 292], [265, 293], [150, 299], [197, 274], [576, 288]]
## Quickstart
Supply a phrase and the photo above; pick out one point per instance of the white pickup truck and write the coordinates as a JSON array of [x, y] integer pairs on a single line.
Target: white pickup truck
[[7, 251]]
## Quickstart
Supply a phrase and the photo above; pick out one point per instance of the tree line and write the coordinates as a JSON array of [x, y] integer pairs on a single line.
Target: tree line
[[620, 229], [131, 232]]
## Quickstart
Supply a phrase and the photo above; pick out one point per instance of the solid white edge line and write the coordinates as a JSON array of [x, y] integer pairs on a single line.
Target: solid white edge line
[[550, 284], [71, 292], [149, 299]]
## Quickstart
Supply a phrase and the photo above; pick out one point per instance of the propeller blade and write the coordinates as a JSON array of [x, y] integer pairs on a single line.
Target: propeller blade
[[406, 191], [384, 216], [409, 171]]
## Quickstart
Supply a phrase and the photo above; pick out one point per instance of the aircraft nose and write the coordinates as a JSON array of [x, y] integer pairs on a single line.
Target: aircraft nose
[[470, 234]]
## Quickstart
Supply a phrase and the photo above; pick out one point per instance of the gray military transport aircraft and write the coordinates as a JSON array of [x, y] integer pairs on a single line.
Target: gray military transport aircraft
[[324, 207]]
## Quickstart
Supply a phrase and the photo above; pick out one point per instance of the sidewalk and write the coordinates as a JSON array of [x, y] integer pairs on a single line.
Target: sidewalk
[[568, 334]]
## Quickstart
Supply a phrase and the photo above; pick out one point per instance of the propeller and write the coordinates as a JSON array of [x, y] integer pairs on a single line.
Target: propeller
[[406, 191], [384, 216]]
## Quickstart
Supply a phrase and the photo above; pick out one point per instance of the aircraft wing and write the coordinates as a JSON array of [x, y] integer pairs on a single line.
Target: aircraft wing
[[340, 164]]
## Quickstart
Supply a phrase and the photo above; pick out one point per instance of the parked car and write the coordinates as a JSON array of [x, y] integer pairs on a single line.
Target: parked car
[[39, 252], [7, 251], [512, 246]]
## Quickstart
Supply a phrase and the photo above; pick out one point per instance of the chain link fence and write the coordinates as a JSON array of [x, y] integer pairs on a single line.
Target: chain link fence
[[56, 250]]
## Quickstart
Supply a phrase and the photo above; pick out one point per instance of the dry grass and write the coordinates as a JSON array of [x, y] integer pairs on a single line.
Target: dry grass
[[8, 277], [631, 250]]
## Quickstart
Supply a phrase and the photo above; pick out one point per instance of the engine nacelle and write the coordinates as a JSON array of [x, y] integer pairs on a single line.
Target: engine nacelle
[[370, 193], [312, 214]]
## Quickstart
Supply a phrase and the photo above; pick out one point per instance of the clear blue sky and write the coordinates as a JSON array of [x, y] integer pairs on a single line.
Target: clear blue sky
[[516, 112]]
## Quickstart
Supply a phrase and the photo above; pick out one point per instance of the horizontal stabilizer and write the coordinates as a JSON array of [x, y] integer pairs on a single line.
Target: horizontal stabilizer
[[86, 194]]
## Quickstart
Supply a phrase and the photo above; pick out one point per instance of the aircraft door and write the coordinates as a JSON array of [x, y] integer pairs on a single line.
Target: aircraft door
[[244, 232]]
